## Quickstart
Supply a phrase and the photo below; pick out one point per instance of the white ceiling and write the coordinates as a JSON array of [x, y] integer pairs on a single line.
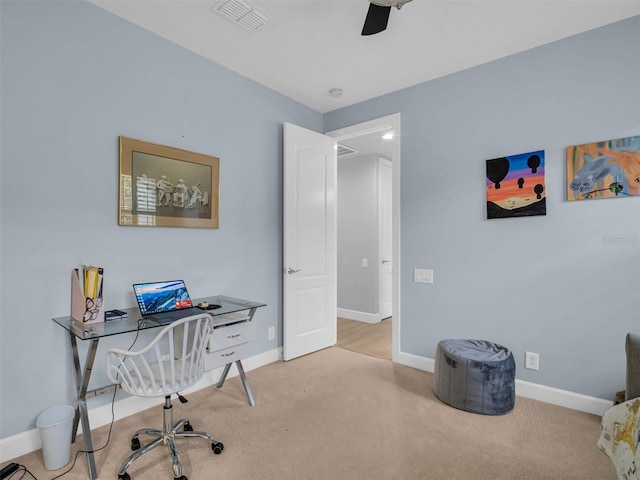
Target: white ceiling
[[308, 47]]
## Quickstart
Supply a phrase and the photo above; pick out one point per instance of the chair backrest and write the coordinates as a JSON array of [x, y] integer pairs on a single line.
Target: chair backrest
[[171, 362], [632, 347]]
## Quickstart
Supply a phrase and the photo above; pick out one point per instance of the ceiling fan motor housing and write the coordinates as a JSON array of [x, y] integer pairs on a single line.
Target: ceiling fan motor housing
[[378, 15]]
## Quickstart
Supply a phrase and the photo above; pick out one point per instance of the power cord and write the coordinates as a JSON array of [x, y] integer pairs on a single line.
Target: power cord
[[113, 416], [13, 469]]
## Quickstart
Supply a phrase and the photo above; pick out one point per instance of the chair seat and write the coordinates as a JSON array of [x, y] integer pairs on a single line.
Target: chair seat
[[620, 438]]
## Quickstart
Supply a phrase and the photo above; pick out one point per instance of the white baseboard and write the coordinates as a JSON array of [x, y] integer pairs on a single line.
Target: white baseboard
[[29, 441], [555, 396], [563, 398], [416, 361], [19, 444], [360, 316]]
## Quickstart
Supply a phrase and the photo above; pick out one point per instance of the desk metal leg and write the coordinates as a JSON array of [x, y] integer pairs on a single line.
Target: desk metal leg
[[243, 377], [223, 377], [245, 383], [82, 414]]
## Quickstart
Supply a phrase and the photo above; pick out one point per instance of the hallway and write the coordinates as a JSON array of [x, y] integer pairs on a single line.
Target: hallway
[[368, 338]]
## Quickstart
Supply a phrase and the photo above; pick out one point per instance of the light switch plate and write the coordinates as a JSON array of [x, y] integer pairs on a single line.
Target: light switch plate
[[422, 275]]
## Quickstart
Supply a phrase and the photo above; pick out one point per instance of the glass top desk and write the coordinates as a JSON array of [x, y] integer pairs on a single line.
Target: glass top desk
[[133, 323]]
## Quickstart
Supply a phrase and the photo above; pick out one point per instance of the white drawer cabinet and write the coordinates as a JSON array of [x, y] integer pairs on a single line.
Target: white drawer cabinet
[[230, 340]]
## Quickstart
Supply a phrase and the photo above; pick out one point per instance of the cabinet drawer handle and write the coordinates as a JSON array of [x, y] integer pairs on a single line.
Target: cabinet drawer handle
[[227, 354], [234, 336]]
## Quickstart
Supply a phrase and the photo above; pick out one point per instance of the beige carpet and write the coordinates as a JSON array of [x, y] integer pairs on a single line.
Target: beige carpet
[[336, 414]]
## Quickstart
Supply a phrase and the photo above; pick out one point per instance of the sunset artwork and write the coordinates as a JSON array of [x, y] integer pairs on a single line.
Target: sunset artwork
[[515, 186], [609, 169]]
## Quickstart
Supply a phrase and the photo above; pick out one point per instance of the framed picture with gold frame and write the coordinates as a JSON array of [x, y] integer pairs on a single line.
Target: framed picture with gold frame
[[162, 186]]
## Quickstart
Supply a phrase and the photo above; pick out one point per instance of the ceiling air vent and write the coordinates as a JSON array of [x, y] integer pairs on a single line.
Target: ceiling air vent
[[241, 13], [344, 150]]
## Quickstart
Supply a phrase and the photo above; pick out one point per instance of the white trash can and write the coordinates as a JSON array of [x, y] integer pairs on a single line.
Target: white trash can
[[55, 426]]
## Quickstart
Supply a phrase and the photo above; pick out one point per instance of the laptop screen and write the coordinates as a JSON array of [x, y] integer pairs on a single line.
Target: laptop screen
[[157, 297]]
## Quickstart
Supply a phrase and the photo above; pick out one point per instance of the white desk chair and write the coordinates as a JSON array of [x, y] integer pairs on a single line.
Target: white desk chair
[[172, 362]]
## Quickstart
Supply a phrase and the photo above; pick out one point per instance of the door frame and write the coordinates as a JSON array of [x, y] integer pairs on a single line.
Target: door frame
[[384, 124]]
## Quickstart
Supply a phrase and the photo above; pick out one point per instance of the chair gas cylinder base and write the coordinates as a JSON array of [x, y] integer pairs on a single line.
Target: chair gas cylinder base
[[475, 375], [168, 435], [172, 362]]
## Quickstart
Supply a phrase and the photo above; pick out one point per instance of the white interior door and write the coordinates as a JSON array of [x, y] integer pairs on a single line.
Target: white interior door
[[310, 241], [385, 239]]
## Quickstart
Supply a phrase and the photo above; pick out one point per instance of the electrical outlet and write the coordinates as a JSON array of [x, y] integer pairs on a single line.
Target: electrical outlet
[[532, 361], [272, 333]]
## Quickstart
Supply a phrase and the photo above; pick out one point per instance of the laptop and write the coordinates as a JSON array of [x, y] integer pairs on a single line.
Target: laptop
[[164, 302]]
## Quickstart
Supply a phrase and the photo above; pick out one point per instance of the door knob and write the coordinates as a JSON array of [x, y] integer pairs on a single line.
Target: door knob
[[385, 261], [291, 271]]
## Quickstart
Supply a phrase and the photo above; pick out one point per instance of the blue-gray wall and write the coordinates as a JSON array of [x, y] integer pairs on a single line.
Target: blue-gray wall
[[565, 285], [74, 77], [358, 231]]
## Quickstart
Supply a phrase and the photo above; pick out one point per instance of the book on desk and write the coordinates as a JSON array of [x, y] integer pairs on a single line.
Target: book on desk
[[115, 315]]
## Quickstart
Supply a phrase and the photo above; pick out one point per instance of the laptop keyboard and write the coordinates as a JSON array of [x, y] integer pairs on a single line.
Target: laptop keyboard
[[172, 316]]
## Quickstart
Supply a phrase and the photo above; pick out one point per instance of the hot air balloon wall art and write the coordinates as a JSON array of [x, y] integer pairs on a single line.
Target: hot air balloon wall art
[[515, 186], [609, 169]]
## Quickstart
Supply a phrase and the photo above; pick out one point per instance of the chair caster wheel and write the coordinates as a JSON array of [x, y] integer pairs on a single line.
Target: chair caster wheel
[[217, 448], [187, 427], [135, 444], [124, 476], [180, 478]]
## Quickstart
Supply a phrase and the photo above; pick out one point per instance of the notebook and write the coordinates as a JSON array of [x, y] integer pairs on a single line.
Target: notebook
[[164, 302]]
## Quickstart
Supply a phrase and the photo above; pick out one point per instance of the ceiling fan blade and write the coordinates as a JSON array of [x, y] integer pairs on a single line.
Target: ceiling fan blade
[[377, 18]]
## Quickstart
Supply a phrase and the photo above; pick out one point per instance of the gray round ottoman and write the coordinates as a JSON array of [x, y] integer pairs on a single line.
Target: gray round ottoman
[[475, 375]]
